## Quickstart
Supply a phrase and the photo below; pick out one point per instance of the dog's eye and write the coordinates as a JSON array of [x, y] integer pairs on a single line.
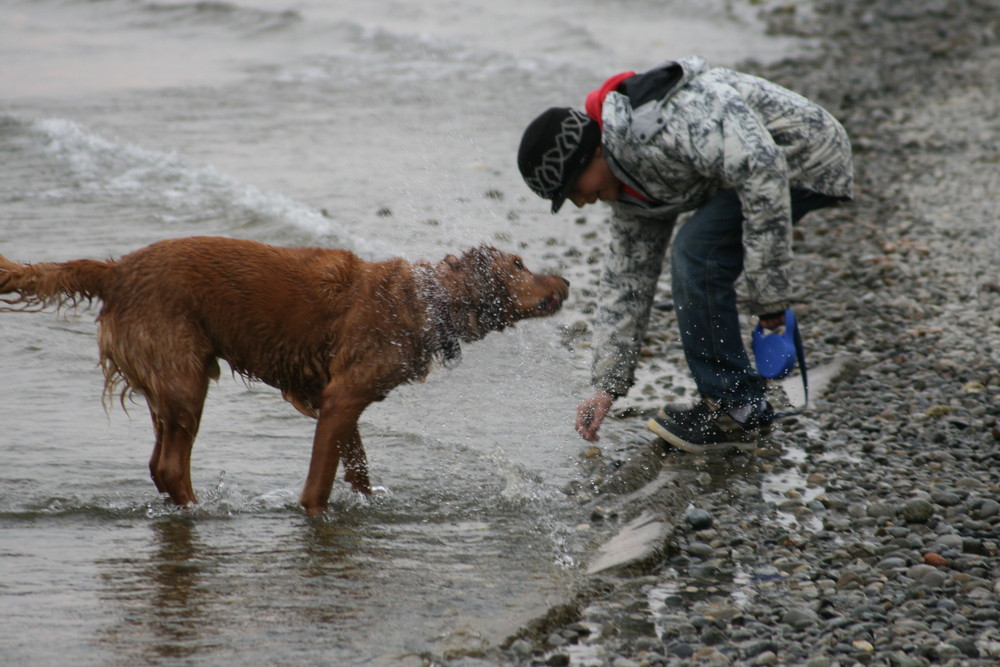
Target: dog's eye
[[518, 264]]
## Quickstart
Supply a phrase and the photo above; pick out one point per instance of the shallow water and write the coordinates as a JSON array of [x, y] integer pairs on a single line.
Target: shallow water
[[388, 128]]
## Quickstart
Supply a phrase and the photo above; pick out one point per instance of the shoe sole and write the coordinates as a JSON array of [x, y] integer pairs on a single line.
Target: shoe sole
[[694, 448]]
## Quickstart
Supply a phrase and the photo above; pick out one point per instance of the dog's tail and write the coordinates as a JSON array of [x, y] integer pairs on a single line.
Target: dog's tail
[[35, 286]]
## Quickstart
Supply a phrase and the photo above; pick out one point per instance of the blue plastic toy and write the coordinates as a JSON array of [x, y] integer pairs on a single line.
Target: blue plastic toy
[[776, 354]]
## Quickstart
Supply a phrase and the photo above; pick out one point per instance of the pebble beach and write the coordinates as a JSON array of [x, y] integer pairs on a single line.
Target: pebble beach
[[867, 530]]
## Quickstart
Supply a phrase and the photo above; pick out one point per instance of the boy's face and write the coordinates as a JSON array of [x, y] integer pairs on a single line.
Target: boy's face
[[596, 183]]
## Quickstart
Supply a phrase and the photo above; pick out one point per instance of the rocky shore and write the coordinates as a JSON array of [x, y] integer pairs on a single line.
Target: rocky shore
[[868, 530]]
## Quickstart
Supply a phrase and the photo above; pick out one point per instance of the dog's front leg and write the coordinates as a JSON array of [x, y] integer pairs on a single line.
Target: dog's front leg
[[336, 436], [356, 464]]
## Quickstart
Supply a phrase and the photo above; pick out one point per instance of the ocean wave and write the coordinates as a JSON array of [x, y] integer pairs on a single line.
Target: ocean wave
[[215, 13], [177, 191], [423, 57]]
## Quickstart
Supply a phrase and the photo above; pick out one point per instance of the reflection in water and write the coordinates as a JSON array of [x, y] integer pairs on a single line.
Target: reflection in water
[[163, 593], [210, 588], [177, 575], [329, 544], [425, 569], [183, 597]]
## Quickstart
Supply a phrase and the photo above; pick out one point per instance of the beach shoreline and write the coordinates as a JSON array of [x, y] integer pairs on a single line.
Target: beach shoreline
[[868, 530]]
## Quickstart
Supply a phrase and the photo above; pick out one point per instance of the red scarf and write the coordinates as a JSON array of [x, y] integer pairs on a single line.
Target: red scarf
[[593, 105]]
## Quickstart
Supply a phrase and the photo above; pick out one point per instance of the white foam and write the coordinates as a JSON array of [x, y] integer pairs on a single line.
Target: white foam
[[164, 181]]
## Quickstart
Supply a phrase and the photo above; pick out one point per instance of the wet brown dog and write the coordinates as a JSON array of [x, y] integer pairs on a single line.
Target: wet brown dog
[[332, 332]]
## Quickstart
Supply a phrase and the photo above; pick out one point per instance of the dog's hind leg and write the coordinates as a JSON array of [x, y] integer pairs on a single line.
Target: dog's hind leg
[[176, 418], [154, 460]]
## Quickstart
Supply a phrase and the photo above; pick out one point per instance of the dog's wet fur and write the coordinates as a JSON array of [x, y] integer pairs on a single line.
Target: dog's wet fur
[[333, 332]]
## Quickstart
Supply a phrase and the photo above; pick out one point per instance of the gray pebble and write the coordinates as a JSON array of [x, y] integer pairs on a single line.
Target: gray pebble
[[892, 563], [951, 541], [988, 509], [556, 640], [917, 510], [700, 549], [624, 662], [698, 519], [934, 579], [879, 509], [919, 570], [799, 618], [680, 650], [898, 659], [946, 498], [766, 658], [819, 661], [522, 648]]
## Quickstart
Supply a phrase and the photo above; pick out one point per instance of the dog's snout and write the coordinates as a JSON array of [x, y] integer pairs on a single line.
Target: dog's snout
[[566, 282]]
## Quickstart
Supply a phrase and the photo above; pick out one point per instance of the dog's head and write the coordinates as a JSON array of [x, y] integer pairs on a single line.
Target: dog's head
[[491, 290]]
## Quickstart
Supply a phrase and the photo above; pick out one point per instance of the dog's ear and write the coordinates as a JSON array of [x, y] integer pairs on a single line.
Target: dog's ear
[[481, 259], [474, 262]]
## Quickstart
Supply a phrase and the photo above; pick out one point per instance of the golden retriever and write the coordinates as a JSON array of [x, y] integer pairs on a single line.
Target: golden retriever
[[332, 332]]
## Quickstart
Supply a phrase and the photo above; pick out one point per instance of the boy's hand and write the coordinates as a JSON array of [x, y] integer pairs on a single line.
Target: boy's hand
[[773, 320], [591, 413]]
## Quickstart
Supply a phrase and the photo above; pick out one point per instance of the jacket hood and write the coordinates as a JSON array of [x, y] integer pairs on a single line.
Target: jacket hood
[[690, 67], [652, 90]]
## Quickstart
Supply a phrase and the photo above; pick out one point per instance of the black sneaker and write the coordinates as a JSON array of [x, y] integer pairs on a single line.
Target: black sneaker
[[708, 428]]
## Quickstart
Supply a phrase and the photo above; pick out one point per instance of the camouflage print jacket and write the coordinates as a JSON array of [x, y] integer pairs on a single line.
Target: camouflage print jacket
[[678, 134]]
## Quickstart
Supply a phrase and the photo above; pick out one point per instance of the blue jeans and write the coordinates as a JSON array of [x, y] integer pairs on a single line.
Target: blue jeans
[[706, 260]]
